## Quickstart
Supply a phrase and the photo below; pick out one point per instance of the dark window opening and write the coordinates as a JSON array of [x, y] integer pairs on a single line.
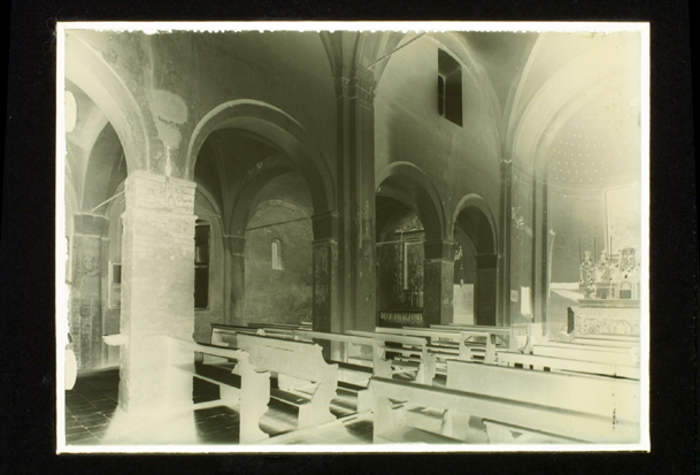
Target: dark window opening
[[449, 88], [201, 265]]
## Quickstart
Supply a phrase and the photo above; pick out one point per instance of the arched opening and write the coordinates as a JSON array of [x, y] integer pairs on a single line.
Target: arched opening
[[266, 203], [476, 267], [410, 226], [400, 263], [96, 169]]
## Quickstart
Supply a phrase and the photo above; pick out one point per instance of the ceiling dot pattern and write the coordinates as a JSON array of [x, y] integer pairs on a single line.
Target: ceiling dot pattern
[[599, 144]]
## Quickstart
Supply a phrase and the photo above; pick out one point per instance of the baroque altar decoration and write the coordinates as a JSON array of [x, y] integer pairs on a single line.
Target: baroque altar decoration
[[610, 288]]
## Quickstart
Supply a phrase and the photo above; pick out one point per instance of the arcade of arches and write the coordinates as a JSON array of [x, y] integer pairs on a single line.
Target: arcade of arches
[[304, 177]]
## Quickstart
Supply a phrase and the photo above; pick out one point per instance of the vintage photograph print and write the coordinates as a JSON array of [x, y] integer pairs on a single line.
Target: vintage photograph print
[[352, 237]]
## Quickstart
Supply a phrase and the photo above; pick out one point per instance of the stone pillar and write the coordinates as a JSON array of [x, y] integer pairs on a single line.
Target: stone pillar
[[234, 268], [325, 276], [485, 297], [86, 289], [356, 195], [157, 291], [504, 301], [438, 282]]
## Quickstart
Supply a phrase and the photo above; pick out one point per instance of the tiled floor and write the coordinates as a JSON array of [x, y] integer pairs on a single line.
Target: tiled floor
[[91, 405]]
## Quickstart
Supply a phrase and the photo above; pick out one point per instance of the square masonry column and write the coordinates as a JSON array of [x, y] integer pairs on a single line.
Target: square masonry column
[[157, 290], [438, 282]]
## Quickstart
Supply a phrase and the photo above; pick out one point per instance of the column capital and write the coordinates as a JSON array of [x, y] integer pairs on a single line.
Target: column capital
[[235, 243], [148, 190], [439, 249], [89, 224], [360, 84], [325, 225]]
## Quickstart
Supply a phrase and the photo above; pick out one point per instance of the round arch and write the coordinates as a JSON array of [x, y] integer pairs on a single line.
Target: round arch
[[88, 70], [473, 213], [280, 128], [407, 182], [243, 210]]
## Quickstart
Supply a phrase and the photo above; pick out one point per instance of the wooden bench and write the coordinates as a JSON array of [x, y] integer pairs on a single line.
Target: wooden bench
[[608, 342], [304, 379], [354, 378], [412, 353], [546, 363], [510, 407], [466, 344], [512, 337], [615, 401], [614, 356]]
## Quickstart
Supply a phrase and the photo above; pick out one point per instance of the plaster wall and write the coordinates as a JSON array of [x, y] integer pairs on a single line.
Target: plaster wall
[[279, 295], [458, 160]]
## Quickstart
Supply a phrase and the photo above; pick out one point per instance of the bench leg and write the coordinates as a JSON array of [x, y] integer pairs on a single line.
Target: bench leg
[[455, 425], [318, 410], [382, 367], [497, 434], [364, 401], [426, 370], [255, 396], [387, 417]]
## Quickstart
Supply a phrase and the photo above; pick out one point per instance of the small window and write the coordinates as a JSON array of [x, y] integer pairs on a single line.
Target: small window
[[449, 88], [201, 265], [276, 254], [115, 285]]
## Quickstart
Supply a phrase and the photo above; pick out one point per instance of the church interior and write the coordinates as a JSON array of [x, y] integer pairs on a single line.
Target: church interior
[[351, 238]]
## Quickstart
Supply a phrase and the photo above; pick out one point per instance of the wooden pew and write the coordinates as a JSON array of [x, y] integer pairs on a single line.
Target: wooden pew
[[513, 337], [541, 407], [305, 380], [546, 363], [614, 356], [247, 387], [225, 335], [354, 378], [615, 400], [471, 344], [414, 355], [632, 342]]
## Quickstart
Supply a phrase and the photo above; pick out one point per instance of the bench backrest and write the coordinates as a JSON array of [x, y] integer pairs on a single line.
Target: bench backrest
[[566, 423], [298, 359], [538, 362], [616, 399]]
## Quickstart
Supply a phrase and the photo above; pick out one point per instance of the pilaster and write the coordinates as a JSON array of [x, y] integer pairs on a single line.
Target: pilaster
[[86, 289], [234, 280], [356, 188], [438, 282]]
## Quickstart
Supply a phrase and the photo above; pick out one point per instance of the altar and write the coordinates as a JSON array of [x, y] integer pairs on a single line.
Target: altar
[[611, 290]]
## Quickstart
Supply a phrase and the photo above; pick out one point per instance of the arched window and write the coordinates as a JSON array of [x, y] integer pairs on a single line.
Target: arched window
[[276, 254]]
